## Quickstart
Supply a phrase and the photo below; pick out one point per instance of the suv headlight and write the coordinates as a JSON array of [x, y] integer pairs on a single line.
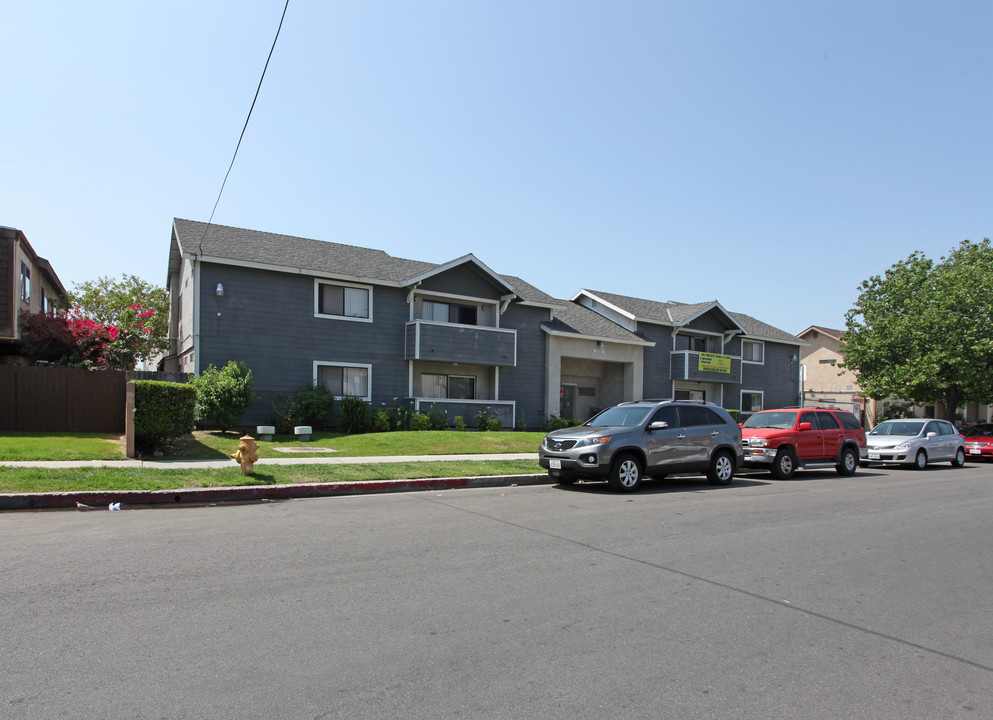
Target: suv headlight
[[758, 442], [587, 442]]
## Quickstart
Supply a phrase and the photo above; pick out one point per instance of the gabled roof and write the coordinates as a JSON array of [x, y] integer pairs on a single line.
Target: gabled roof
[[574, 320], [764, 331], [830, 332], [469, 259], [674, 314], [253, 248], [530, 295], [287, 253]]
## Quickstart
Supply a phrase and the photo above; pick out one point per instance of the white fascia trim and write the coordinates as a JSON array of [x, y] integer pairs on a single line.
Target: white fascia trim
[[451, 296], [596, 338], [593, 296], [301, 271], [762, 338], [712, 306], [470, 258]]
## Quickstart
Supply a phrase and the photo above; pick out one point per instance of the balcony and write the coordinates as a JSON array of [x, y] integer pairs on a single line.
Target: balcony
[[448, 342], [704, 367]]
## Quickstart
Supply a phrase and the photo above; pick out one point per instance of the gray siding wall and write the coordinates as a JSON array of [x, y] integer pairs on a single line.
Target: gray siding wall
[[658, 383], [525, 382], [778, 377], [463, 280], [267, 321]]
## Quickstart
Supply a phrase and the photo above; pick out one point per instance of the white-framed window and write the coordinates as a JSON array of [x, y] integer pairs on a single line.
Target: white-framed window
[[25, 283], [752, 351], [344, 379], [751, 401], [342, 301], [452, 387]]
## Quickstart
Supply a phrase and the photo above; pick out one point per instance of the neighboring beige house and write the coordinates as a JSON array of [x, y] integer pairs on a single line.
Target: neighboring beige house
[[827, 385], [27, 284], [824, 383]]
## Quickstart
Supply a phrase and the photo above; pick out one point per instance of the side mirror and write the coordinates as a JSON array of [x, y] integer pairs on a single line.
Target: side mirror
[[804, 426], [658, 425], [932, 434]]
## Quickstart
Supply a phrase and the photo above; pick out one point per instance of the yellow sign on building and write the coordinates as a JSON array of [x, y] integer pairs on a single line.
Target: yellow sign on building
[[711, 362]]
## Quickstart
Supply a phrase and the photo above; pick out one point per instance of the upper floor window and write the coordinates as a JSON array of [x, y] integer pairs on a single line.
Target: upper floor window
[[344, 302], [25, 283], [752, 351]]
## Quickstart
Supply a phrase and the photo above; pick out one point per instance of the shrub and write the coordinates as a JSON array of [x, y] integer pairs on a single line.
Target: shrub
[[439, 419], [223, 395], [162, 411], [312, 405], [354, 416], [557, 423], [381, 421], [420, 421], [459, 423], [735, 414], [485, 421], [522, 423], [282, 416]]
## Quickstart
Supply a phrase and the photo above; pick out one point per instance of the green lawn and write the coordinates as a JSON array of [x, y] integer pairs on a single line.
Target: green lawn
[[216, 445]]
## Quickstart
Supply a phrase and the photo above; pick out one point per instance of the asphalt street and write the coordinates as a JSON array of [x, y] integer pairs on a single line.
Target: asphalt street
[[819, 597]]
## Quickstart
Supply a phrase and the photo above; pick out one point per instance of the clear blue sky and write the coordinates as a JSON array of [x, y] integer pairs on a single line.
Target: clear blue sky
[[769, 155]]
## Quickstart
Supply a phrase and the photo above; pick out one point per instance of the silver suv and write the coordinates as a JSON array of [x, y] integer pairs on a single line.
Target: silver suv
[[649, 438]]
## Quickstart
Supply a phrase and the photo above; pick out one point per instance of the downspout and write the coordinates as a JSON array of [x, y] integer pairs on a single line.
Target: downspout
[[196, 314]]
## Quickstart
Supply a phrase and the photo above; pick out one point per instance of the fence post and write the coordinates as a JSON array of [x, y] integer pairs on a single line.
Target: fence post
[[129, 419]]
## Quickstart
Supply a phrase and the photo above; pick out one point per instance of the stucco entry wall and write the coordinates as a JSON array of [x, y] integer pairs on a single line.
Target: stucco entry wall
[[631, 358]]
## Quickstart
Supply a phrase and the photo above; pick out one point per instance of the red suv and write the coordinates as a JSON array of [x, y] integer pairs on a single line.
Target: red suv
[[783, 440]]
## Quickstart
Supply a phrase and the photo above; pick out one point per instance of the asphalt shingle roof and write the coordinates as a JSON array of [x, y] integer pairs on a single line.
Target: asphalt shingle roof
[[575, 319], [670, 313]]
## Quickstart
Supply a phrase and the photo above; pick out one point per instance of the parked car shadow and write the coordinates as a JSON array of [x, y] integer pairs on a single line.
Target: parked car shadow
[[665, 485]]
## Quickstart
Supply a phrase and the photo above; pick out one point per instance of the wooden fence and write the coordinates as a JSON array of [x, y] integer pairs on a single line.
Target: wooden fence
[[56, 399]]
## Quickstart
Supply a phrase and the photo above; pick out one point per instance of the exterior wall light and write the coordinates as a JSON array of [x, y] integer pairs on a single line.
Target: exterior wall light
[[220, 290]]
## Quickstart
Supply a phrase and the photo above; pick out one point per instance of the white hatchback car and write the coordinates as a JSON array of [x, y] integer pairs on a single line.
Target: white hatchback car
[[913, 441]]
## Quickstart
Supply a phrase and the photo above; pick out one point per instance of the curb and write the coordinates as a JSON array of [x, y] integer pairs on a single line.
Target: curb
[[103, 499]]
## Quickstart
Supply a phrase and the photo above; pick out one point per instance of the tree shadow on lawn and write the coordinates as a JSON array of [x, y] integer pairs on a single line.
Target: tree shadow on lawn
[[190, 447]]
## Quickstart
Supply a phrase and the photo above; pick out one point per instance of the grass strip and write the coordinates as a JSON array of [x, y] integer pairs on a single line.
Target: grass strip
[[37, 480]]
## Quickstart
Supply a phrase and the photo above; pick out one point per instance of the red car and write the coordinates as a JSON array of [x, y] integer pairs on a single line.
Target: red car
[[978, 441]]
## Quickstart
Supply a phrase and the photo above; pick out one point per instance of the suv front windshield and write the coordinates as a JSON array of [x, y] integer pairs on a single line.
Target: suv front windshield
[[620, 416], [779, 420]]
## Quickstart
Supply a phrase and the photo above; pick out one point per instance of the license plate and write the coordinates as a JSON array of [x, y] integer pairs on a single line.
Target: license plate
[[975, 451], [554, 464], [873, 456]]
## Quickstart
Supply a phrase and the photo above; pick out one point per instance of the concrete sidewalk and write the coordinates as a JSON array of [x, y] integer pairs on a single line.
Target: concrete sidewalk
[[130, 499]]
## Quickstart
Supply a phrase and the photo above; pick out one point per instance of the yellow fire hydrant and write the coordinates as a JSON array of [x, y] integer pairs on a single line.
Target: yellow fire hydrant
[[247, 454]]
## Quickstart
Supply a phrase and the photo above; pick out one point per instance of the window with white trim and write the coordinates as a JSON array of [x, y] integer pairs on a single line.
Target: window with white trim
[[343, 379], [751, 401], [752, 351], [344, 302]]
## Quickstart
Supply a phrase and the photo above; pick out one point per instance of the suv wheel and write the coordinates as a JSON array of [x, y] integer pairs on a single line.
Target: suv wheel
[[784, 465], [721, 470], [625, 475], [849, 462]]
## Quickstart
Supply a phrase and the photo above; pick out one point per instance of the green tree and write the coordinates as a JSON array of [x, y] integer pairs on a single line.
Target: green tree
[[138, 309], [223, 395], [923, 332]]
